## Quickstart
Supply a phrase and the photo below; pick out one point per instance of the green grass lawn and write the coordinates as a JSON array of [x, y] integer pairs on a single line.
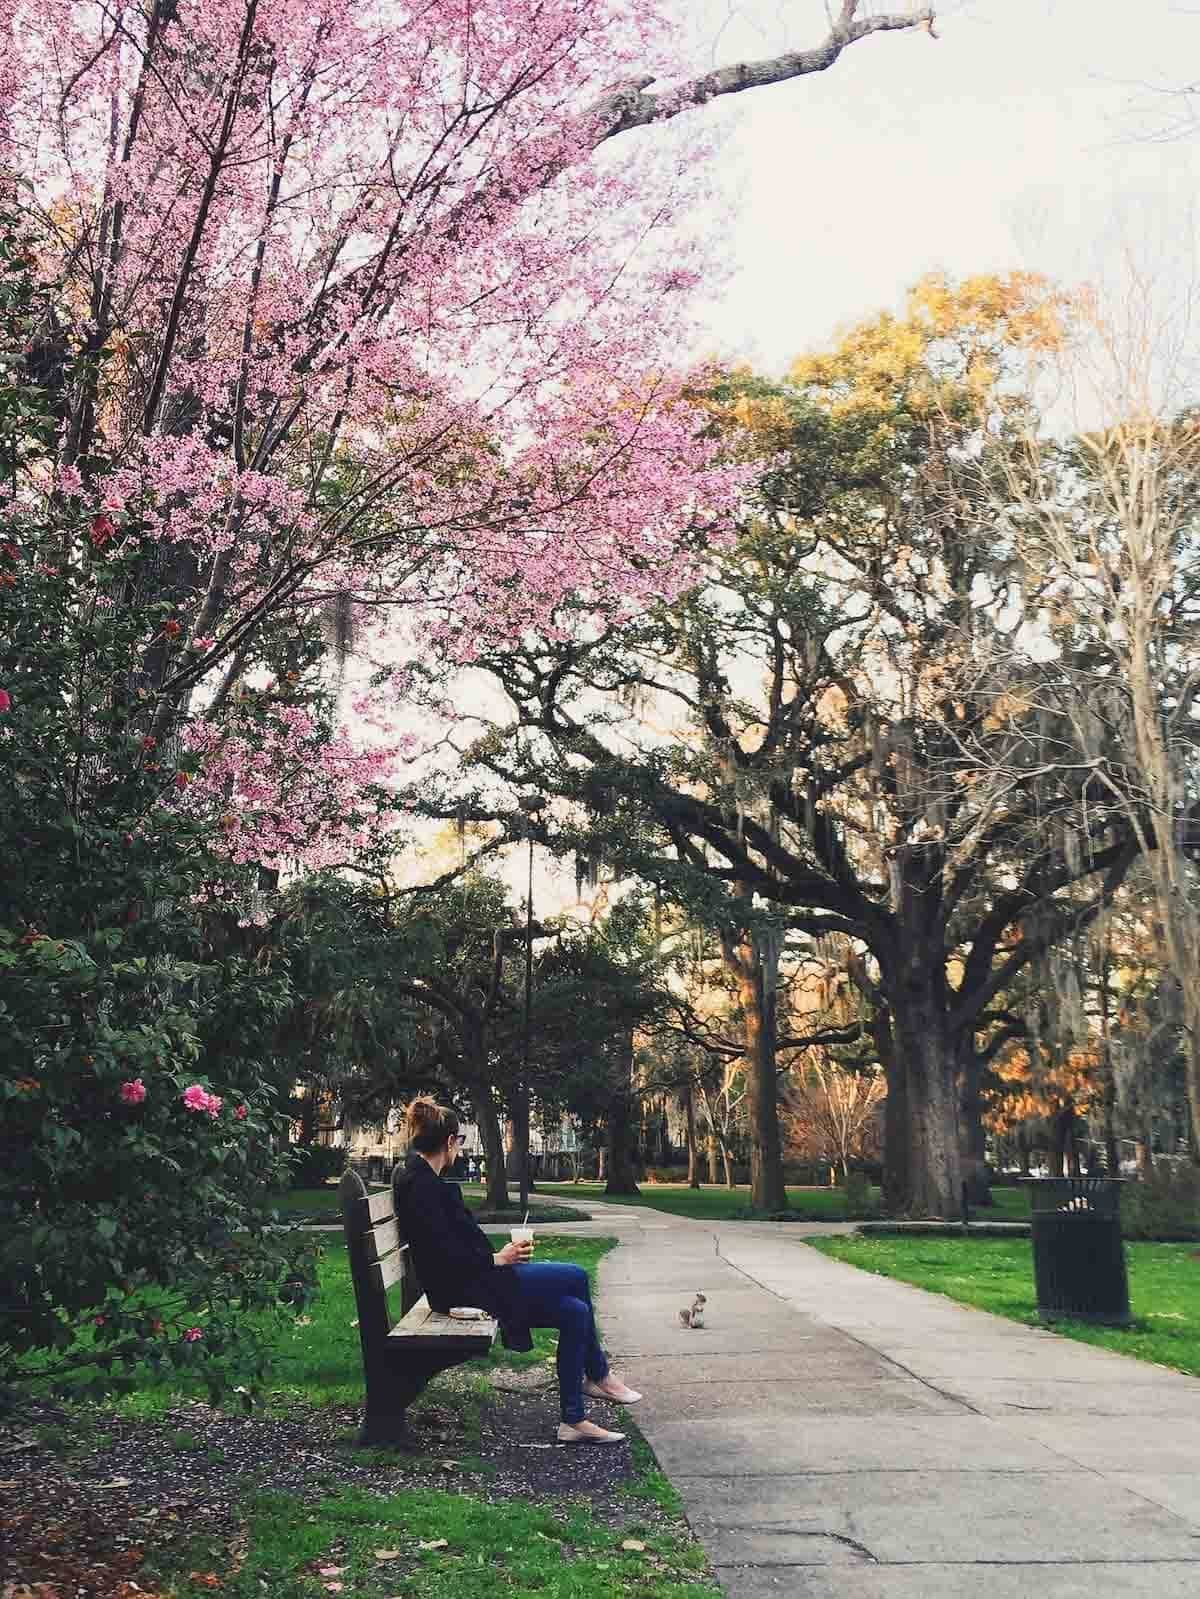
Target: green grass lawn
[[705, 1204], [307, 1202], [324, 1204], [996, 1274], [733, 1204], [419, 1542]]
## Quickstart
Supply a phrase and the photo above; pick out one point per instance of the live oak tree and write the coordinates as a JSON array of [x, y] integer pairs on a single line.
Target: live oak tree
[[841, 733]]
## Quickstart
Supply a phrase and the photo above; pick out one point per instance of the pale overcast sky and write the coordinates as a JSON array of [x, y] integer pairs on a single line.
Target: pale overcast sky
[[1009, 142]]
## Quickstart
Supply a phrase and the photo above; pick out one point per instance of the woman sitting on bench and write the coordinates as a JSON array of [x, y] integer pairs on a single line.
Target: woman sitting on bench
[[455, 1265]]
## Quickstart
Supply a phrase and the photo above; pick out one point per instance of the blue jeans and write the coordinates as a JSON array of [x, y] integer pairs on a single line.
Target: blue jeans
[[559, 1296]]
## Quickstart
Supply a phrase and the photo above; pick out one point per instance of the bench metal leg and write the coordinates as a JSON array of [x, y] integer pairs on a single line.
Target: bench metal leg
[[388, 1430], [391, 1388]]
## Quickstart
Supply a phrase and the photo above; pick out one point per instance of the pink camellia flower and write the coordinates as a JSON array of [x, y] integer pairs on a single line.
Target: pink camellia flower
[[133, 1093], [5, 701], [195, 1097], [240, 1113], [103, 530], [214, 1104], [203, 643], [192, 1335], [99, 1320]]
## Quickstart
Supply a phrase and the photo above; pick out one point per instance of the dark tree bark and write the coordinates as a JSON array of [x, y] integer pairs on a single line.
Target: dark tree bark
[[753, 961], [491, 1135], [622, 1129], [1062, 1125], [974, 1154], [693, 1152], [621, 1147], [929, 1059]]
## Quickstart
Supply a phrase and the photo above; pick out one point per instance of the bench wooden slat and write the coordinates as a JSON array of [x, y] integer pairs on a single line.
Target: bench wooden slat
[[380, 1206], [389, 1271], [383, 1240], [431, 1326]]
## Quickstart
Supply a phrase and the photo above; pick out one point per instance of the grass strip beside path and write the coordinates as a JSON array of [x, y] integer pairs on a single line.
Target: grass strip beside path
[[422, 1543], [997, 1275], [733, 1204]]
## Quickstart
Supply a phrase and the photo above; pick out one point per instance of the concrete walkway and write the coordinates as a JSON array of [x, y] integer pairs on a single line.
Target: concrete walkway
[[838, 1434]]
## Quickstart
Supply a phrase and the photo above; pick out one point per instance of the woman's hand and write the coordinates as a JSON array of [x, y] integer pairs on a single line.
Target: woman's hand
[[515, 1254]]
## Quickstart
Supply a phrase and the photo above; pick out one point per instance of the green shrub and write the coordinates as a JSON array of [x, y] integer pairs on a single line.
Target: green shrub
[[313, 1165], [139, 1133], [1163, 1205], [860, 1202]]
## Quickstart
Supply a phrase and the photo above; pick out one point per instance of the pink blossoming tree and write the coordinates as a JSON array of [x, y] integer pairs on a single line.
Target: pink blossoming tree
[[391, 301]]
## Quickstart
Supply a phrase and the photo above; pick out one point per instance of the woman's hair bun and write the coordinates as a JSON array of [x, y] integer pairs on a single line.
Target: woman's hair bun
[[423, 1112], [429, 1124]]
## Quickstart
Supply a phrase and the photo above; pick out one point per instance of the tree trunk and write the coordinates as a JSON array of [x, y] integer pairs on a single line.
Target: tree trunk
[[754, 964], [714, 1157], [974, 1151], [926, 1053], [727, 1160], [1062, 1124], [621, 1147], [621, 1134], [693, 1152], [520, 1144], [895, 1116], [491, 1136]]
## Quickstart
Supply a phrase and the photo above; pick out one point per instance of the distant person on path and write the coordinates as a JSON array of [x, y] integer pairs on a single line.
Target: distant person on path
[[456, 1266]]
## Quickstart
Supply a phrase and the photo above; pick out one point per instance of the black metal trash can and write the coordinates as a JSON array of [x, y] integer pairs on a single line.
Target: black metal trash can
[[1078, 1257]]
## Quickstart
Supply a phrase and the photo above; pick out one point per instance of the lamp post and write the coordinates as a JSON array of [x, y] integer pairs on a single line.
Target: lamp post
[[531, 804]]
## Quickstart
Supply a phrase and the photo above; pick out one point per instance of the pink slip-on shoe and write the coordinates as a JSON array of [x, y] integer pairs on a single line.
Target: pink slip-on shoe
[[618, 1393], [587, 1432]]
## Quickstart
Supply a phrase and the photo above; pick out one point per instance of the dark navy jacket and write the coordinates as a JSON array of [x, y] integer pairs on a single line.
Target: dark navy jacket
[[451, 1255]]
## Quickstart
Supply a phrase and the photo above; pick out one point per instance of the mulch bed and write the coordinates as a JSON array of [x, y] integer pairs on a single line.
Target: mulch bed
[[86, 1495]]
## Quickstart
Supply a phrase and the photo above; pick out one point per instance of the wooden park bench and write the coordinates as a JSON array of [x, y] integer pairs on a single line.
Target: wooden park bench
[[399, 1356]]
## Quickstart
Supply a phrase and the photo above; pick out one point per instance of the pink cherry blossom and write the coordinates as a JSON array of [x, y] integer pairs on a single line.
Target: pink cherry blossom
[[133, 1093], [407, 233]]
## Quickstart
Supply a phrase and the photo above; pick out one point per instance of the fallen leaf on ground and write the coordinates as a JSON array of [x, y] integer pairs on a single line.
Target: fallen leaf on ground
[[634, 1545], [435, 1543], [387, 1554], [117, 1482], [204, 1579], [330, 1571]]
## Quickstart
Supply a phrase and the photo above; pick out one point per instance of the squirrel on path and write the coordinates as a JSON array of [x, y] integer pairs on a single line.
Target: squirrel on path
[[695, 1316]]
